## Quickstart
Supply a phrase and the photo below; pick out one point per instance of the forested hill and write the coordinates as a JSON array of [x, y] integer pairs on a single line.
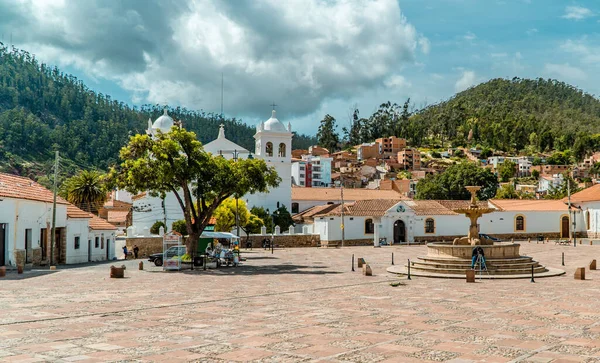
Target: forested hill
[[43, 110], [517, 114]]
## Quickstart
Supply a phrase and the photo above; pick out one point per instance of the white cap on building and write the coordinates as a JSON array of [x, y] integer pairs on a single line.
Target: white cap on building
[[163, 123]]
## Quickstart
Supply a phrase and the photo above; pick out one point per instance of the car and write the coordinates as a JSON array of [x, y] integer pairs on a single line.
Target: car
[[157, 258], [487, 236]]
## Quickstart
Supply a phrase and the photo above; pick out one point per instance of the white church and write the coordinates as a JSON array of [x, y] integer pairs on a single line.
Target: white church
[[273, 143]]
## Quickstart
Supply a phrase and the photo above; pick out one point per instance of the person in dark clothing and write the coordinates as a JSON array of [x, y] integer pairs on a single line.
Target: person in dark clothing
[[125, 252], [136, 250], [477, 251]]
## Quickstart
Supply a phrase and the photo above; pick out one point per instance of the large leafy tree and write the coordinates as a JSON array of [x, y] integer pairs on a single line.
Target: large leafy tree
[[265, 217], [283, 218], [225, 214], [175, 162], [451, 183], [507, 170], [327, 135], [87, 190]]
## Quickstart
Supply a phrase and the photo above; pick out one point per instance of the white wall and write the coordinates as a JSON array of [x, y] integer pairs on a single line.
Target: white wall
[[99, 253], [148, 210], [77, 227], [22, 214]]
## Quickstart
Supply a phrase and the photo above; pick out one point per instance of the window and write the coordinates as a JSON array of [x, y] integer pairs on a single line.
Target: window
[[281, 153], [76, 242], [520, 223], [295, 207], [369, 226], [97, 242], [302, 175], [301, 183], [269, 149], [429, 225]]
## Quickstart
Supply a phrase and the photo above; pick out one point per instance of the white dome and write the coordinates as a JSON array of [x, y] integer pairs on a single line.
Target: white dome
[[274, 125], [163, 123]]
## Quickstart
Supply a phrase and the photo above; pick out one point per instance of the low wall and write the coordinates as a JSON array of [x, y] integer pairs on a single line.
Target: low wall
[[284, 240], [350, 242], [147, 245], [503, 237]]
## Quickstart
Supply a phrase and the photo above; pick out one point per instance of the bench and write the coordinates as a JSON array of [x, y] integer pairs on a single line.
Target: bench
[[332, 244], [563, 242]]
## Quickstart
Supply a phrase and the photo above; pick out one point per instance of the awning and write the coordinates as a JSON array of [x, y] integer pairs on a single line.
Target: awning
[[226, 235]]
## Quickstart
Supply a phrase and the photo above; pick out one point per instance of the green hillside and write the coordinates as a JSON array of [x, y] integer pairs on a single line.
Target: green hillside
[[514, 115], [43, 110]]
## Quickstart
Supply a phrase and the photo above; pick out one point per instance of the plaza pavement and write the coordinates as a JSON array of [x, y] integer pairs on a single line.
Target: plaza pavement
[[302, 305]]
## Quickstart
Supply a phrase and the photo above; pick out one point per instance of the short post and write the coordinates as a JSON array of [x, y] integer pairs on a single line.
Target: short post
[[272, 244], [408, 269], [353, 262], [547, 240], [2, 271], [580, 273], [19, 269], [563, 258], [528, 239], [470, 275], [141, 265], [532, 280], [204, 262], [392, 258], [593, 265]]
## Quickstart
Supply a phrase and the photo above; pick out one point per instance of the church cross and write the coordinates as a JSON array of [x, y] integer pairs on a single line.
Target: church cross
[[273, 105]]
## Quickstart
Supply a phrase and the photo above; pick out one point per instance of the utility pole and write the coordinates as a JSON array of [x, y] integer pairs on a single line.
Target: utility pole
[[53, 235], [237, 214], [573, 220], [342, 214], [221, 94]]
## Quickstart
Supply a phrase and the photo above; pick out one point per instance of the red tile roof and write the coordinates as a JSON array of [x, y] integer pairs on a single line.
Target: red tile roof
[[97, 223], [117, 216], [371, 208], [74, 212], [12, 186], [526, 205], [307, 216], [591, 194]]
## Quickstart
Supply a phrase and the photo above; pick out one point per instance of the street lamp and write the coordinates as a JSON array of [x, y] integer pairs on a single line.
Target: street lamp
[[237, 214]]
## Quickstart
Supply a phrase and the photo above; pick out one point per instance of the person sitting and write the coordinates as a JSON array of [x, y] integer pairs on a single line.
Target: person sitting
[[477, 252]]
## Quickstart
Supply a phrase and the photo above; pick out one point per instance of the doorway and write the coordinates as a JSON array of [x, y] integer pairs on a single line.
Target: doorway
[[28, 247], [399, 232], [89, 250], [107, 248], [564, 227], [2, 244]]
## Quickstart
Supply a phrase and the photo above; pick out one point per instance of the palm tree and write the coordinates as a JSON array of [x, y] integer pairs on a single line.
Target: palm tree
[[87, 190]]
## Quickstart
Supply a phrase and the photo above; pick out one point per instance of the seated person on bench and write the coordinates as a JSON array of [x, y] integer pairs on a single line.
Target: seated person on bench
[[477, 251]]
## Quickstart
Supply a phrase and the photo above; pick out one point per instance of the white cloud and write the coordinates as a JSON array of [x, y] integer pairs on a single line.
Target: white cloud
[[499, 55], [470, 36], [466, 80], [531, 31], [397, 81], [577, 13], [297, 52], [587, 53], [564, 72]]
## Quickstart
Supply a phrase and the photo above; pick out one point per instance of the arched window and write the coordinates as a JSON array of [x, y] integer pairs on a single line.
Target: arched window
[[369, 226], [281, 153], [429, 225], [519, 223], [269, 149]]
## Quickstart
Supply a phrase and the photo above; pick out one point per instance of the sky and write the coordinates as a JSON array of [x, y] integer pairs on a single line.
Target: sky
[[310, 57]]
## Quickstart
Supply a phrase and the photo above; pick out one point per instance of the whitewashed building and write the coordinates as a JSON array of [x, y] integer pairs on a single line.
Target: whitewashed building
[[585, 210], [88, 237], [405, 221]]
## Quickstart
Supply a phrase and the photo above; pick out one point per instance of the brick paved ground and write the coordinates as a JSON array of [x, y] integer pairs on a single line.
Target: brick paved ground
[[302, 305]]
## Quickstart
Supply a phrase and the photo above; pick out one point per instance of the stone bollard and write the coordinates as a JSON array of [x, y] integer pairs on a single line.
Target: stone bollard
[[2, 271], [528, 239], [367, 271], [546, 240], [512, 240], [52, 268], [593, 265], [360, 262], [591, 242], [470, 275], [19, 269], [580, 273], [141, 265], [117, 272]]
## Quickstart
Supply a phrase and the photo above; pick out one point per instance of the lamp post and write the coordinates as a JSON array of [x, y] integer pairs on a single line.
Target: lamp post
[[237, 214]]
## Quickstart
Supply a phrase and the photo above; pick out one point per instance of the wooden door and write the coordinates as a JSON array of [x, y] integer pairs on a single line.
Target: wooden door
[[564, 227]]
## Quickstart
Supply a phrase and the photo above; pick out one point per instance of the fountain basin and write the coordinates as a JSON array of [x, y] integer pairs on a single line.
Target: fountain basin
[[498, 250]]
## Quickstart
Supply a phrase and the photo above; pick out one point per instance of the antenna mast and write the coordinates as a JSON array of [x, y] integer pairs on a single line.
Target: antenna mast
[[221, 94]]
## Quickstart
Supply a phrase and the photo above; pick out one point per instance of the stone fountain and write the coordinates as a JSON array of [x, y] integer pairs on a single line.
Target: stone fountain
[[452, 260], [473, 212]]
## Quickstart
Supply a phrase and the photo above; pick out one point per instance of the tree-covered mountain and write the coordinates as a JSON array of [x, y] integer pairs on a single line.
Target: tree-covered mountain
[[43, 110], [509, 115]]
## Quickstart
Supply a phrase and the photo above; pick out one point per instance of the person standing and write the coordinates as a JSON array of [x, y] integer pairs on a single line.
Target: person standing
[[136, 250], [125, 252]]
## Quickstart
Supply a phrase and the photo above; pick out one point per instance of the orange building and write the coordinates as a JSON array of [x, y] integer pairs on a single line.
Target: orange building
[[391, 145], [410, 158]]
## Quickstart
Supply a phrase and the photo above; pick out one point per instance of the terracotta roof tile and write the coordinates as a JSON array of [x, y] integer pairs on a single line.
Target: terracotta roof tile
[[12, 186], [350, 194], [139, 196], [526, 205], [591, 194], [74, 212], [429, 207], [98, 223], [371, 208], [307, 216], [117, 216]]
